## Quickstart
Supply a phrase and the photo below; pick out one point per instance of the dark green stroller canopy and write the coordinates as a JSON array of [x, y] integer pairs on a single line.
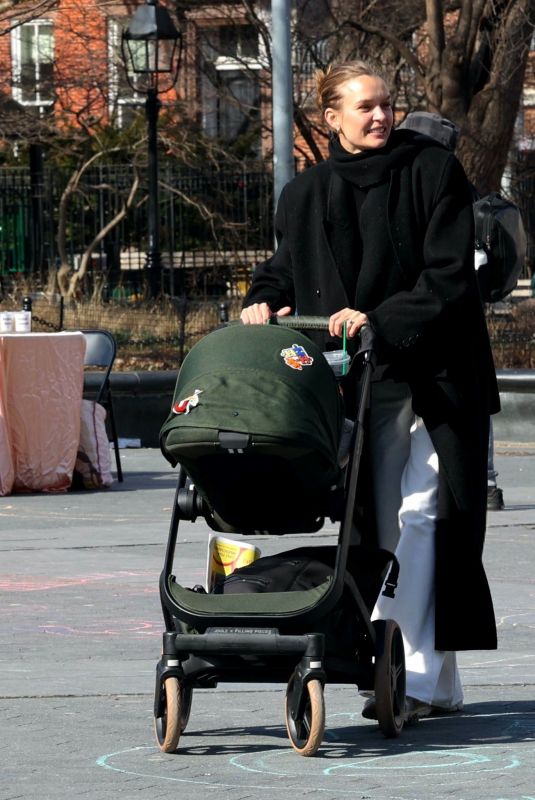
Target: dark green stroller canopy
[[255, 422]]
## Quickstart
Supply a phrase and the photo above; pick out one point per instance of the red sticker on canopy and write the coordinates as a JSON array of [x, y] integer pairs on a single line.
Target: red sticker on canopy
[[184, 406]]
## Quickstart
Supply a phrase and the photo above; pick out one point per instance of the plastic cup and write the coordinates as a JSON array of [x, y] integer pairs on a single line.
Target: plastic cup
[[338, 360]]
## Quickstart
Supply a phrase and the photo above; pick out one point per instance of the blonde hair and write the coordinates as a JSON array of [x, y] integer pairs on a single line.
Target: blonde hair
[[330, 81]]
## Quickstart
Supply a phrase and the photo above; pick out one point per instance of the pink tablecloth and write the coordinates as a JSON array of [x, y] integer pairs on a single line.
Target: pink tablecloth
[[41, 384]]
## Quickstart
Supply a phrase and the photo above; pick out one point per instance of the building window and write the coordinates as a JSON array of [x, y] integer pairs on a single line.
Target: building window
[[33, 64], [224, 44], [124, 101], [310, 56], [230, 91], [238, 42], [230, 104]]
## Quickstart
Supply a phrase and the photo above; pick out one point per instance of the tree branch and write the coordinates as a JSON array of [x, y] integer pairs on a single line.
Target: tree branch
[[399, 45], [436, 43], [22, 13], [71, 187], [302, 123], [103, 232]]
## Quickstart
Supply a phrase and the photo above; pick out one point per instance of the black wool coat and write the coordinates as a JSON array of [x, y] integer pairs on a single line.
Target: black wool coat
[[417, 285]]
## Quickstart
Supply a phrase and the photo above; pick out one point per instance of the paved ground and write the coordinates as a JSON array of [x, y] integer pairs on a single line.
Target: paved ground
[[80, 632]]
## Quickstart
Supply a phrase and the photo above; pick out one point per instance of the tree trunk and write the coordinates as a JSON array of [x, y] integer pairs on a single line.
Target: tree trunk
[[489, 87]]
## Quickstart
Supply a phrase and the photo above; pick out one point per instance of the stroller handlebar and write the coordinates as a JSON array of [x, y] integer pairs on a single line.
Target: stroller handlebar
[[366, 333], [301, 323], [312, 323]]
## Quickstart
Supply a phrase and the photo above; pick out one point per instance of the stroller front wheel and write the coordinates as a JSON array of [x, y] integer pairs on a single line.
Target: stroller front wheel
[[170, 725], [306, 731], [185, 707]]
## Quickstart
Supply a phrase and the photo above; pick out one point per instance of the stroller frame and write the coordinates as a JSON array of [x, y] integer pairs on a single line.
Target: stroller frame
[[265, 645]]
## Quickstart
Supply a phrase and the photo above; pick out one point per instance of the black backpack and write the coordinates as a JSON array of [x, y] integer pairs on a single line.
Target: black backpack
[[499, 231], [439, 128]]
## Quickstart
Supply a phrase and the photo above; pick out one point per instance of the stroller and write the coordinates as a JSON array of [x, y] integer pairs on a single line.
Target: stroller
[[255, 429]]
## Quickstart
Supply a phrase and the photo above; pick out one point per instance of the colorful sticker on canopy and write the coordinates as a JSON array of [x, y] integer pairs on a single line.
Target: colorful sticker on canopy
[[296, 357], [184, 406]]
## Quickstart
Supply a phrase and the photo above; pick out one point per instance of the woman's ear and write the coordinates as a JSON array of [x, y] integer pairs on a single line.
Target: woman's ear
[[331, 118]]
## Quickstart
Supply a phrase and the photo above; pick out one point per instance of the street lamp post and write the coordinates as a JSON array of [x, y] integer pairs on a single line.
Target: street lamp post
[[153, 264], [283, 143], [151, 47]]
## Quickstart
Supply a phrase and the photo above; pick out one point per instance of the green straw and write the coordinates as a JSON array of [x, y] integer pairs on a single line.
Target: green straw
[[344, 340]]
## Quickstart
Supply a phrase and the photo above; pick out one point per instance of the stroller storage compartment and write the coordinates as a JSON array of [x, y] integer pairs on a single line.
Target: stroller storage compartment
[[307, 568]]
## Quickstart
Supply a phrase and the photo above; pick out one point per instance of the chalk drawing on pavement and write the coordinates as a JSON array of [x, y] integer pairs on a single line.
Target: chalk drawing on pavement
[[272, 765], [37, 583]]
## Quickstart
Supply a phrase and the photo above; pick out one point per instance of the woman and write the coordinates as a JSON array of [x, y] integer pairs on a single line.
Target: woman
[[382, 234]]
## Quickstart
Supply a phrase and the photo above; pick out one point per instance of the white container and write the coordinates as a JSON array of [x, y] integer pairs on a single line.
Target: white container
[[6, 322], [338, 360], [23, 321]]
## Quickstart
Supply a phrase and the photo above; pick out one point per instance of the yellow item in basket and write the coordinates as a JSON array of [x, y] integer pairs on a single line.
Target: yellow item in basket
[[226, 555]]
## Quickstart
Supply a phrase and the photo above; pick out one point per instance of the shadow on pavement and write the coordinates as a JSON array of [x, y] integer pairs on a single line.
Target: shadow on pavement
[[490, 723], [134, 483]]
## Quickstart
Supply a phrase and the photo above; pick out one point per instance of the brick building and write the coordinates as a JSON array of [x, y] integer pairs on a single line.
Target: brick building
[[67, 61]]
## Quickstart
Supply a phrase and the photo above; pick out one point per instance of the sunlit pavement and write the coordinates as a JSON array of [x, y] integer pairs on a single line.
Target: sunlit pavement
[[80, 635]]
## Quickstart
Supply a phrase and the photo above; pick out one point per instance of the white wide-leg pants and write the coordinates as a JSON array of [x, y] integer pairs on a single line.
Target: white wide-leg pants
[[405, 479]]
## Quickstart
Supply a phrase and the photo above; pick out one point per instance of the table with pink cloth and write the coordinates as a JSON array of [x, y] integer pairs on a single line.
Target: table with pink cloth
[[41, 384]]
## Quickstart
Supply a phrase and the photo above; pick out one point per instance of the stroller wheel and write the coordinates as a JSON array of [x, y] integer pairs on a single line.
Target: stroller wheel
[[187, 697], [389, 677], [170, 725], [306, 731]]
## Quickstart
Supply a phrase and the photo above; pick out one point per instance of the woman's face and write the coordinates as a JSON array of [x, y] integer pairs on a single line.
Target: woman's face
[[364, 117]]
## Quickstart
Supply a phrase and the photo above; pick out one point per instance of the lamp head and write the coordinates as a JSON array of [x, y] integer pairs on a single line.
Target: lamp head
[[151, 47]]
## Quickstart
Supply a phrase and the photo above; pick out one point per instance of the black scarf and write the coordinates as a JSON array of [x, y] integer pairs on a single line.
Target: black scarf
[[373, 166]]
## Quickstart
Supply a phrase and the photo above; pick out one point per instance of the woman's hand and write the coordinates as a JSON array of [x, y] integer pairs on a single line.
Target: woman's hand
[[355, 320], [260, 313]]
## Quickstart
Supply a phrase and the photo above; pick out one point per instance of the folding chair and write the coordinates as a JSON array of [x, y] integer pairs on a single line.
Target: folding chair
[[100, 352]]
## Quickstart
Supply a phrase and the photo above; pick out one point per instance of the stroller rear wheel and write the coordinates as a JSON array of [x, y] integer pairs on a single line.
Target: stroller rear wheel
[[175, 715], [389, 677], [306, 730]]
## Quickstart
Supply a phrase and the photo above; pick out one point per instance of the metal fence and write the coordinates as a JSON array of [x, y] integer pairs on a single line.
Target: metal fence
[[214, 226], [523, 193], [151, 335], [157, 334]]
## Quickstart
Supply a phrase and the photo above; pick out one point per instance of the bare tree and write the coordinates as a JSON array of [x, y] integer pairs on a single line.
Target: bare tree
[[68, 280], [464, 59], [16, 12], [475, 75], [467, 61]]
